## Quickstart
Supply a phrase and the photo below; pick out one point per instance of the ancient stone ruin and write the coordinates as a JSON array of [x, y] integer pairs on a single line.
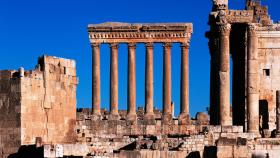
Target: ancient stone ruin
[[38, 114]]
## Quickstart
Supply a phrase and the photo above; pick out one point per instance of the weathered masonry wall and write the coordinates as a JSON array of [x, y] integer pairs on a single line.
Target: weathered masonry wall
[[48, 105], [269, 74], [38, 105], [10, 96]]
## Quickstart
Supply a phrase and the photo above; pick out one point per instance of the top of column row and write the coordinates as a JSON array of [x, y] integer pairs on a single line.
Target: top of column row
[[140, 33]]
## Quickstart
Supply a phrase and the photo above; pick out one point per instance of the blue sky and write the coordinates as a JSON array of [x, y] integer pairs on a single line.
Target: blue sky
[[31, 28]]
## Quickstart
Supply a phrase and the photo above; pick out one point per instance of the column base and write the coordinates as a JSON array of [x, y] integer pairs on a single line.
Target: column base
[[95, 117], [184, 119], [255, 133], [167, 119], [114, 117], [131, 117], [149, 119]]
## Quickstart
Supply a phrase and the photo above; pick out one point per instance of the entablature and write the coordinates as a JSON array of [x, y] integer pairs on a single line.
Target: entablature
[[240, 16], [140, 33]]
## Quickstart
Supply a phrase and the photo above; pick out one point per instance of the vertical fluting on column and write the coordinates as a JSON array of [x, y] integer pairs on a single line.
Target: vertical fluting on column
[[184, 113], [167, 110], [224, 73], [131, 82], [278, 113], [149, 82], [252, 81], [96, 78], [114, 81]]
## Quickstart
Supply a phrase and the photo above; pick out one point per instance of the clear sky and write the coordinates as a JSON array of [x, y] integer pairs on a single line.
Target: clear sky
[[31, 28]]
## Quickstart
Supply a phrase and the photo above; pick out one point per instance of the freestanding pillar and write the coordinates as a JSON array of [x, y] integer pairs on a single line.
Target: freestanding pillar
[[252, 81], [184, 114], [278, 113], [167, 110], [96, 78], [149, 82], [114, 114], [131, 82], [224, 72]]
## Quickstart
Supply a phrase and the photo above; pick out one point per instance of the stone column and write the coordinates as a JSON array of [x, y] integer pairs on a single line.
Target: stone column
[[131, 82], [114, 113], [167, 111], [224, 72], [96, 78], [149, 82], [252, 81], [278, 113], [184, 114]]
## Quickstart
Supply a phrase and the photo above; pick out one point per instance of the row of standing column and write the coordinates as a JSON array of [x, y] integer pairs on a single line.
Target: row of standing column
[[149, 80], [252, 78]]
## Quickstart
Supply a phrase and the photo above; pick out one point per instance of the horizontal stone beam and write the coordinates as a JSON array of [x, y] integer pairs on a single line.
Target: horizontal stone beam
[[140, 33]]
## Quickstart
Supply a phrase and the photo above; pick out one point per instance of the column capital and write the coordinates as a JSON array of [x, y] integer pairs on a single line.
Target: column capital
[[185, 45], [252, 29], [224, 29], [131, 45], [114, 45], [167, 45], [93, 45], [149, 45]]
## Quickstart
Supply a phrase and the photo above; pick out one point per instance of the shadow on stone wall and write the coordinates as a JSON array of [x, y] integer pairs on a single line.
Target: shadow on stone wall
[[194, 154], [210, 152], [30, 151]]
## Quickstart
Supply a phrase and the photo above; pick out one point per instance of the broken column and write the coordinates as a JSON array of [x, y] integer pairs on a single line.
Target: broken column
[[114, 114], [252, 81], [131, 82], [167, 111], [149, 82], [278, 113], [96, 78], [224, 72], [184, 114]]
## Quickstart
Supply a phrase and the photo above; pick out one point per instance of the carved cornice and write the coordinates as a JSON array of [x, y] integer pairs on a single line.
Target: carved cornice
[[142, 33], [224, 29]]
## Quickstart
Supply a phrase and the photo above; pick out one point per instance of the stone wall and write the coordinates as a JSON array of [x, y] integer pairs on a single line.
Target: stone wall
[[48, 105], [39, 103], [10, 96], [269, 74]]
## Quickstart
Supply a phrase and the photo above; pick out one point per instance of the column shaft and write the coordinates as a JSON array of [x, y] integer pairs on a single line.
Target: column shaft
[[224, 72], [185, 79], [149, 82], [167, 80], [114, 80], [131, 82], [184, 113], [96, 79], [252, 81]]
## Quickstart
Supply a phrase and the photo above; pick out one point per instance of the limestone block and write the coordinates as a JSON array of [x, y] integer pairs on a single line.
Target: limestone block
[[49, 151], [58, 150], [224, 152]]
